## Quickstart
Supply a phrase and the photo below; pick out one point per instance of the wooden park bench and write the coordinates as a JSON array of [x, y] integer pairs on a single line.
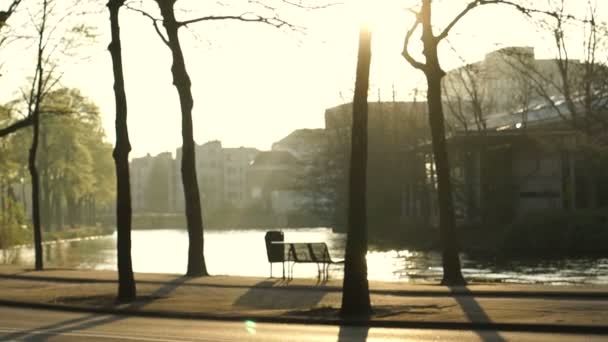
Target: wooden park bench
[[300, 252]]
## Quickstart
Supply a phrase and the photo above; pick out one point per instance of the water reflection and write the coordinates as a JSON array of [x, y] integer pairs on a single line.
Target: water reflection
[[242, 252]]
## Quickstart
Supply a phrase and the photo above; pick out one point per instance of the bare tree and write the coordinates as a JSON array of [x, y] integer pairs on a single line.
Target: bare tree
[[355, 288], [5, 15], [34, 100], [452, 274], [431, 68], [27, 121], [181, 81], [51, 39], [466, 99], [126, 281]]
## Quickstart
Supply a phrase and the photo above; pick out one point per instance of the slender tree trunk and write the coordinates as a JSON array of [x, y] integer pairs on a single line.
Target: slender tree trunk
[[355, 289], [449, 245], [35, 114], [452, 274], [45, 207], [181, 80], [35, 194], [126, 281]]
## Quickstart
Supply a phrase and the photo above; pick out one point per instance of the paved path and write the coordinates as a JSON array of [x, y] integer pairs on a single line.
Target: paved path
[[505, 307], [35, 324]]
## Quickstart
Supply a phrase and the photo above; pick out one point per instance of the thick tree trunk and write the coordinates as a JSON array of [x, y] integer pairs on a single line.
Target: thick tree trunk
[[355, 289], [181, 80], [126, 281]]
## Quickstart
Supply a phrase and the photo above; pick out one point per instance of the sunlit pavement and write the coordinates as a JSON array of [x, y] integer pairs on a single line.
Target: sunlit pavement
[[32, 325], [502, 307]]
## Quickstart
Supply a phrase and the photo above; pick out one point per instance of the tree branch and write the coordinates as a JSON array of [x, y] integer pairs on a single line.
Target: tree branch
[[15, 126], [245, 17], [525, 10], [405, 53], [154, 22]]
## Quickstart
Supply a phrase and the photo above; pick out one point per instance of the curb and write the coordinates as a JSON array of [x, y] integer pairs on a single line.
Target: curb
[[358, 322], [457, 291]]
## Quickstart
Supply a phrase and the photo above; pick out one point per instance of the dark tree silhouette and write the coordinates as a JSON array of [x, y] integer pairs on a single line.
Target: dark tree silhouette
[[34, 100], [452, 274], [431, 68], [355, 288], [126, 282], [181, 81]]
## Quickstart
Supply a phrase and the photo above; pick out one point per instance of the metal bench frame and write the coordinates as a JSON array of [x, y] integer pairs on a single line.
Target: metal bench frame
[[309, 252]]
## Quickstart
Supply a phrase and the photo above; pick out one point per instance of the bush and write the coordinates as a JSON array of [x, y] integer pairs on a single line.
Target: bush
[[13, 230]]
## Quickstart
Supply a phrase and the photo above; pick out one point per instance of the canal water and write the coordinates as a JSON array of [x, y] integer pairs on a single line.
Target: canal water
[[243, 252]]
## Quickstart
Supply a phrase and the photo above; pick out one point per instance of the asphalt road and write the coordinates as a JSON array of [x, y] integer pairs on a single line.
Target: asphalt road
[[18, 324]]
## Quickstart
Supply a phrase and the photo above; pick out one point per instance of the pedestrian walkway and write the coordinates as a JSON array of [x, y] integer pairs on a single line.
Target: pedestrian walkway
[[306, 300]]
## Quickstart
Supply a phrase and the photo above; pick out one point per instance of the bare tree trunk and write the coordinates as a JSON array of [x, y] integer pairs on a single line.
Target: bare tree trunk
[[126, 281], [452, 274], [449, 245], [355, 289], [46, 195], [36, 97], [181, 80]]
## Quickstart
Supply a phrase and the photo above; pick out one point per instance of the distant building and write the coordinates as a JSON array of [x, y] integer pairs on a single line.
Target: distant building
[[304, 144], [221, 174], [236, 162], [151, 183], [507, 80], [394, 129], [273, 179]]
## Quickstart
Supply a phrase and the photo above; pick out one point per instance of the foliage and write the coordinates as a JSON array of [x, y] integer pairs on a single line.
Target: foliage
[[13, 230], [75, 162]]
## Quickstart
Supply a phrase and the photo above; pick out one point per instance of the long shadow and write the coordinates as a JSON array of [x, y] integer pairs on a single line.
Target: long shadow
[[352, 334], [93, 320], [475, 313], [263, 296]]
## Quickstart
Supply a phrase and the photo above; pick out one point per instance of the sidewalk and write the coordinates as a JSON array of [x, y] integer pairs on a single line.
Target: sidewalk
[[509, 307]]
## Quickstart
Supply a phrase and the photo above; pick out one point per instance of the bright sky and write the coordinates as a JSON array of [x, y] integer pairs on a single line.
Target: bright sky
[[254, 84]]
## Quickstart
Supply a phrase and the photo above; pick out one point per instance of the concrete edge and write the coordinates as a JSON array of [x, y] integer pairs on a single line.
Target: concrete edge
[[573, 295], [357, 322]]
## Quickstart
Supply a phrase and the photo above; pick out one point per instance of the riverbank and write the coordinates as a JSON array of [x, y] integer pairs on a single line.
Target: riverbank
[[25, 236], [306, 300]]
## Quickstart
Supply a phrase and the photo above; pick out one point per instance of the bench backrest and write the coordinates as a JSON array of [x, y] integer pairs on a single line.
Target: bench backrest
[[308, 252]]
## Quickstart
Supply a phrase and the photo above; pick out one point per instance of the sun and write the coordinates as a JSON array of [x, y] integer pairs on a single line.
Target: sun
[[371, 13]]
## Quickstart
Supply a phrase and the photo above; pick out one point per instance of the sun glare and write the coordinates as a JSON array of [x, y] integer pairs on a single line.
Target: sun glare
[[369, 13]]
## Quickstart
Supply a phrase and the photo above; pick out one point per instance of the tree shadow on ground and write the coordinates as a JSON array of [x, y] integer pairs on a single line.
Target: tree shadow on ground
[[264, 296], [89, 321], [475, 313], [379, 311]]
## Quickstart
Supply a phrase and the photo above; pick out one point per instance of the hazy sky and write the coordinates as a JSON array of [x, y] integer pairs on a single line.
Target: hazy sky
[[254, 84]]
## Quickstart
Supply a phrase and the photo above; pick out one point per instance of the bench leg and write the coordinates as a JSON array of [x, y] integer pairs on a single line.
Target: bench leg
[[318, 272]]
